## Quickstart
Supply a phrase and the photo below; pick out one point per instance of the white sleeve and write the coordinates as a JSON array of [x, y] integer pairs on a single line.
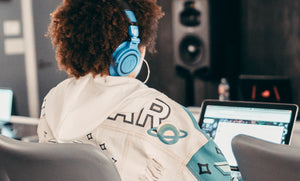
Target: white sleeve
[[43, 130]]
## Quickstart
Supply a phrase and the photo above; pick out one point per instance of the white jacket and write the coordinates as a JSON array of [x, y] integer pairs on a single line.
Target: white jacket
[[146, 134]]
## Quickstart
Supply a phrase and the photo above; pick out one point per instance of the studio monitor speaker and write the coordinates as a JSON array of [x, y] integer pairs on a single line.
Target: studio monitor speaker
[[191, 44]]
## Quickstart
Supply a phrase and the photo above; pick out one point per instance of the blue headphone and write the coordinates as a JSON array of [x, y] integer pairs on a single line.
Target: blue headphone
[[127, 55]]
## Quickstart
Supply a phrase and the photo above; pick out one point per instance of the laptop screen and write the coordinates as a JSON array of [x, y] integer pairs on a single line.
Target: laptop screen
[[6, 97], [268, 121]]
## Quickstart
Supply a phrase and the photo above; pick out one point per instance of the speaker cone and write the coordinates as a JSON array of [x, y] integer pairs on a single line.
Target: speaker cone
[[191, 49]]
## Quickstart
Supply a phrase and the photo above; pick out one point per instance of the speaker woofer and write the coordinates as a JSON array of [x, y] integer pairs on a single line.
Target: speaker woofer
[[191, 49]]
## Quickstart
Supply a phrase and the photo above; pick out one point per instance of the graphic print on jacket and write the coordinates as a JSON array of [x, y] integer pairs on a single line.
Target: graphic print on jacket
[[155, 113]]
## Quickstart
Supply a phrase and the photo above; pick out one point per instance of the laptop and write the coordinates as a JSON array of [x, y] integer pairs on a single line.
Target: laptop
[[222, 120], [6, 99]]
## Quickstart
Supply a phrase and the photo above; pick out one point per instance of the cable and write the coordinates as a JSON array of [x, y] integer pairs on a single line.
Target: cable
[[148, 69]]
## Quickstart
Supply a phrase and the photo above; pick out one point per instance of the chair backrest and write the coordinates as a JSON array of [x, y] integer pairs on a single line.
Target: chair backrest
[[261, 160], [22, 161]]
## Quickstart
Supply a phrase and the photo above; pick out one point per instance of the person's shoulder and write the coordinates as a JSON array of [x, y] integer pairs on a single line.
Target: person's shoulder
[[61, 86]]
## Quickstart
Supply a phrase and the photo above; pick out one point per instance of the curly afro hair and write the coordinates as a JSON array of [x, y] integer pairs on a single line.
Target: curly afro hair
[[85, 33]]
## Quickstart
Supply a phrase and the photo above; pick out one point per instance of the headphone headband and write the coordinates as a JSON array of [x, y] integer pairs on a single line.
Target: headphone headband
[[130, 15]]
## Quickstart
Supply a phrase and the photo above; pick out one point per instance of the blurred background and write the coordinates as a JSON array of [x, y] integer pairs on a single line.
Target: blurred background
[[199, 42]]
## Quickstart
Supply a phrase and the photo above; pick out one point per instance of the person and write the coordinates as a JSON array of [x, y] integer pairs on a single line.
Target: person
[[146, 134]]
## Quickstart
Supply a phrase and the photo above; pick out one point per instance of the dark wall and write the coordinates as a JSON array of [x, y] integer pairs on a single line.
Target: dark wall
[[256, 37], [224, 46], [270, 40]]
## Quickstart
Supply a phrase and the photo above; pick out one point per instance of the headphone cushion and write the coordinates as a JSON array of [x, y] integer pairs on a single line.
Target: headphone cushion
[[126, 58]]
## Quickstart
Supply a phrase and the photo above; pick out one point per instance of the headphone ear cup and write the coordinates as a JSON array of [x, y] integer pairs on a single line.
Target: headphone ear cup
[[125, 59]]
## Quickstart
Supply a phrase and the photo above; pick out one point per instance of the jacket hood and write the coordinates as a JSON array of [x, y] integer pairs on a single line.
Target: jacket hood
[[77, 106]]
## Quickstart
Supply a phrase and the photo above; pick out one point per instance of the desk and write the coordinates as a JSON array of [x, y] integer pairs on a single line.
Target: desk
[[24, 120], [23, 126]]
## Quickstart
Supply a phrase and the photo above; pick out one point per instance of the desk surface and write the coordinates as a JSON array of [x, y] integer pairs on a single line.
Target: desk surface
[[24, 120]]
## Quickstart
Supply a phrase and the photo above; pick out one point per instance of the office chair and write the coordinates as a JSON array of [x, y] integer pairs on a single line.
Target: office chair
[[23, 161], [261, 160]]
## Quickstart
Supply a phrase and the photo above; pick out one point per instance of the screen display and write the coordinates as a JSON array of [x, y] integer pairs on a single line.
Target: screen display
[[222, 123], [6, 96]]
